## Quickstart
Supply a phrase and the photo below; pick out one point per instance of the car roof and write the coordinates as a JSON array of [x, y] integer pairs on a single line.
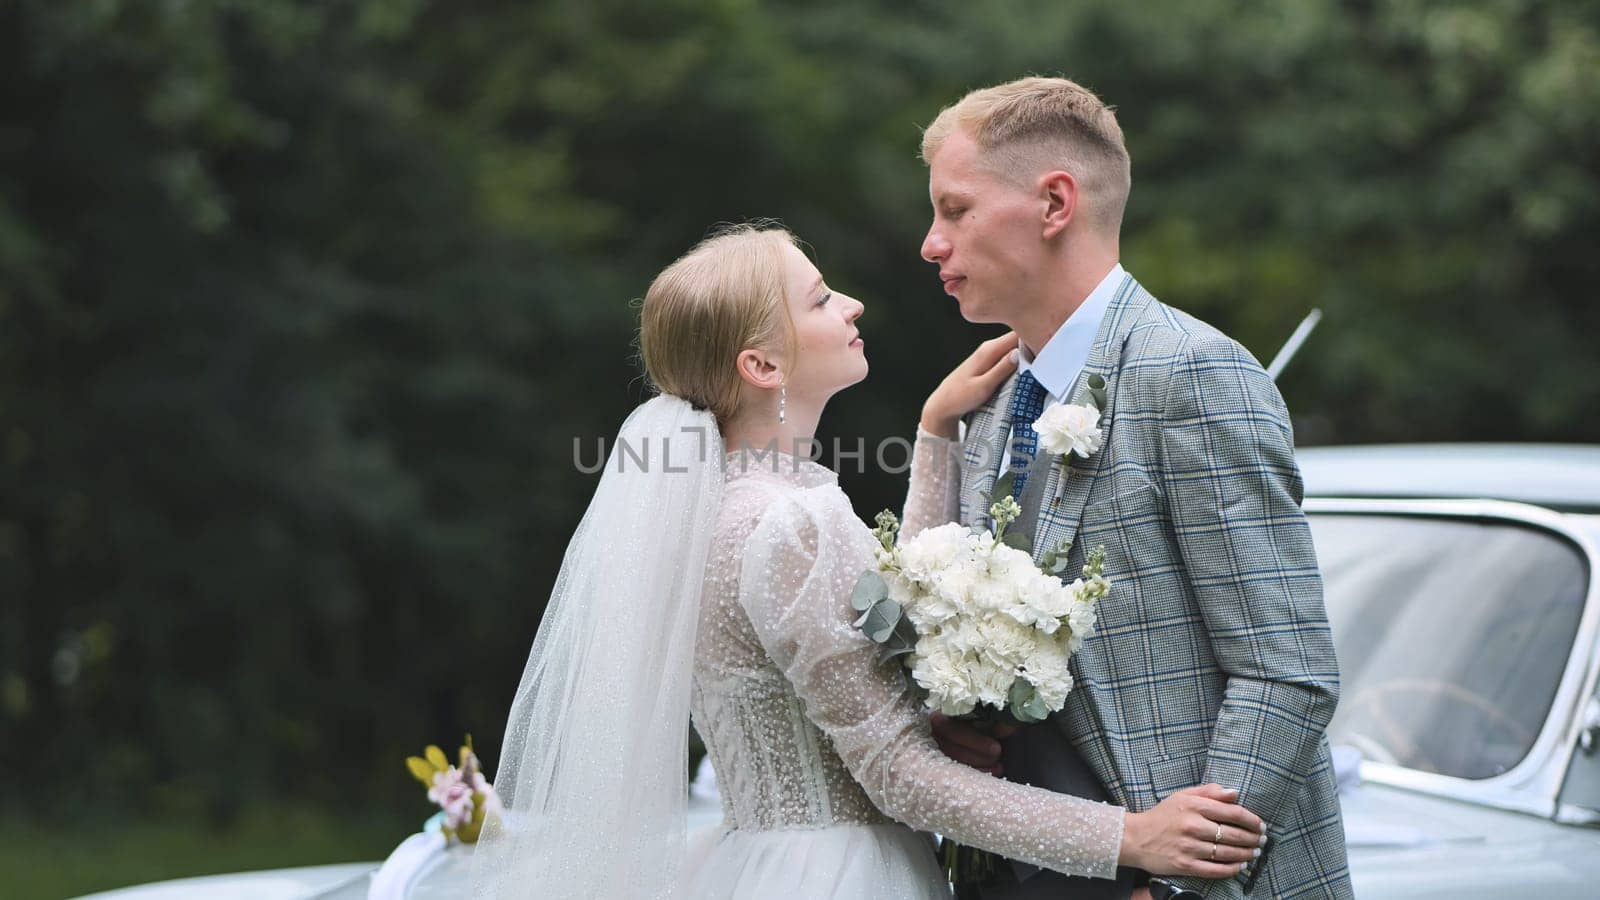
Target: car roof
[[1558, 476]]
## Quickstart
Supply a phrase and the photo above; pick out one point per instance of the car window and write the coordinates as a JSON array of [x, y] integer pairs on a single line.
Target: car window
[[1452, 635]]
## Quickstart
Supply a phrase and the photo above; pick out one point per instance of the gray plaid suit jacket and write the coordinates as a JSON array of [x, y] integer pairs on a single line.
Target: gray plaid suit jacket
[[1213, 660]]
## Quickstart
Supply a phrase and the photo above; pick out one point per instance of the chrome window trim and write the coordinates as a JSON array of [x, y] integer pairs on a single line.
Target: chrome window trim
[[1533, 785]]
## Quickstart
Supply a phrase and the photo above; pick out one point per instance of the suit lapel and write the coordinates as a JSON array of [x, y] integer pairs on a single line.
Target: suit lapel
[[1062, 509], [985, 453], [1079, 722]]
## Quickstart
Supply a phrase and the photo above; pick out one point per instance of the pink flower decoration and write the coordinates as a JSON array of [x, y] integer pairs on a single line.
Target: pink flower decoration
[[453, 795], [491, 800]]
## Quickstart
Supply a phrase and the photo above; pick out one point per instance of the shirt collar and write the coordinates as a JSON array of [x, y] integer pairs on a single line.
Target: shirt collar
[[1067, 351]]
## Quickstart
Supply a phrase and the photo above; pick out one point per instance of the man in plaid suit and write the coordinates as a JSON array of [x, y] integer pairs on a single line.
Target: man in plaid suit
[[1213, 660]]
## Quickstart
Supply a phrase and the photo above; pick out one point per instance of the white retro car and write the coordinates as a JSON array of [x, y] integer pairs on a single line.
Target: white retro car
[[1461, 582]]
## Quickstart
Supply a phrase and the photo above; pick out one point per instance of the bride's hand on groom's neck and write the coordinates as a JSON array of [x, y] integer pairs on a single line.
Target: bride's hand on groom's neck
[[969, 385]]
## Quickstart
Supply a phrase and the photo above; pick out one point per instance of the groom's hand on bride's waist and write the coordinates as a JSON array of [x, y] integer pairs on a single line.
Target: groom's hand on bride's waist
[[966, 744]]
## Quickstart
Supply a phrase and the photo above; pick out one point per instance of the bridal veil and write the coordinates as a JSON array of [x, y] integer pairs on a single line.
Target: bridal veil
[[593, 769]]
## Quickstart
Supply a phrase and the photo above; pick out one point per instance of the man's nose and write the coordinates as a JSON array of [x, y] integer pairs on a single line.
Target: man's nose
[[934, 246]]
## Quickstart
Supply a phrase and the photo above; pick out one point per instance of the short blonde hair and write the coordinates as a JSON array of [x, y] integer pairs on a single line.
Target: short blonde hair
[[722, 297], [1027, 126]]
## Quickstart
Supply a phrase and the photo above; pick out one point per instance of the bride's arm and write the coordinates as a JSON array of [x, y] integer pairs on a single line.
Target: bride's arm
[[934, 496], [799, 566]]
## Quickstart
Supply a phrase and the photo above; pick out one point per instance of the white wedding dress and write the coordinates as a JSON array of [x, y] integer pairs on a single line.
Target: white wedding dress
[[820, 750]]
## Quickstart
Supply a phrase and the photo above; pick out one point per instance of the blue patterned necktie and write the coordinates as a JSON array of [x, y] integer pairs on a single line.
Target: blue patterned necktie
[[1027, 403]]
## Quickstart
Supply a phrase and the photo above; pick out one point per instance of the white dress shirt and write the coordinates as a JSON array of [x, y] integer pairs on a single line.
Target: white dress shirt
[[1067, 352]]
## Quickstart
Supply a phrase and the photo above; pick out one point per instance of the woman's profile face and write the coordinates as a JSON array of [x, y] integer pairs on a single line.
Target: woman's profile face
[[830, 354]]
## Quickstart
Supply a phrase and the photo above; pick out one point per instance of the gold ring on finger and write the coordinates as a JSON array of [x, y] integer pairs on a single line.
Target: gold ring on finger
[[1218, 838], [1213, 851]]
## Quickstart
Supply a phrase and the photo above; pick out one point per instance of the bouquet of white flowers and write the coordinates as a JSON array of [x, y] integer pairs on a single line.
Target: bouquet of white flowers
[[986, 634], [984, 631]]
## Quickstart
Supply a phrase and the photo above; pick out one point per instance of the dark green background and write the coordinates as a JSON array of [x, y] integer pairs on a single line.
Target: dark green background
[[303, 303]]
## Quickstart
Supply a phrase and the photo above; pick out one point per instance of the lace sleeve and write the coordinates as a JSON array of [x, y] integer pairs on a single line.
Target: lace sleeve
[[934, 496], [798, 568]]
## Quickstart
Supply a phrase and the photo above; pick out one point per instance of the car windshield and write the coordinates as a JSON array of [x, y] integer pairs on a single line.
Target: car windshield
[[1452, 635]]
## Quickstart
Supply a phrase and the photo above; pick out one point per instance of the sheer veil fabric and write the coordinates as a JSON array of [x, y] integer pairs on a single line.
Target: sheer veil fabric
[[593, 769]]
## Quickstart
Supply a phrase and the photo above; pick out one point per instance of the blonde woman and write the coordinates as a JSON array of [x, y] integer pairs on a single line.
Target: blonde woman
[[711, 576]]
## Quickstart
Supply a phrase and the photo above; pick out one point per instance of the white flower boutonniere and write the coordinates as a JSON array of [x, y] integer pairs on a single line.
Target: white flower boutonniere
[[1070, 428], [1073, 428]]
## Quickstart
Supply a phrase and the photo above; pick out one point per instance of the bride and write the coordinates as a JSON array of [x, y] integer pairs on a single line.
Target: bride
[[711, 576]]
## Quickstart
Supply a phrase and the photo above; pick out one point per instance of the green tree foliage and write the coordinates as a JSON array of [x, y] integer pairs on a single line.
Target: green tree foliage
[[302, 304]]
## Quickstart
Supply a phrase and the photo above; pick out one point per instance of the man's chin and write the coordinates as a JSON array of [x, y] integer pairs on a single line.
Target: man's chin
[[975, 312]]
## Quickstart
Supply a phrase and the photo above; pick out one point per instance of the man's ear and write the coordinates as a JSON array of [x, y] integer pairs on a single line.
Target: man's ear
[[759, 369], [1060, 191]]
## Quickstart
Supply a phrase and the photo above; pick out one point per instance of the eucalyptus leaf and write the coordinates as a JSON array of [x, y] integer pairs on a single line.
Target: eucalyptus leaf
[[870, 588], [879, 621], [1020, 691], [1021, 540], [902, 641], [1097, 391], [906, 632], [1025, 704]]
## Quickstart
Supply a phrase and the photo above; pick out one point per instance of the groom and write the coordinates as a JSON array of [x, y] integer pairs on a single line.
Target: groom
[[1213, 660]]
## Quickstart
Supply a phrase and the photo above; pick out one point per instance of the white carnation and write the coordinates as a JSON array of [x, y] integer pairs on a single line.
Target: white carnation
[[1048, 671], [1069, 428], [901, 590], [1081, 619], [930, 609], [1003, 642], [960, 582], [960, 635], [1045, 604], [1054, 690], [992, 684], [933, 550], [1009, 572], [940, 672], [1011, 565]]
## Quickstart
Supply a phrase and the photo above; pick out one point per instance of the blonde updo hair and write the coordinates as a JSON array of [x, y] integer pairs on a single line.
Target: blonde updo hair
[[724, 296]]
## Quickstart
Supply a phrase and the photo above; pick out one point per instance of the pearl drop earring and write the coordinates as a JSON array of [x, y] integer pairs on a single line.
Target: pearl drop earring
[[783, 401]]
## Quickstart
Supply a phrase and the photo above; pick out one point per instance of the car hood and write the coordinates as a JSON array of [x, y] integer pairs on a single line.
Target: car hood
[[348, 880], [1406, 844], [443, 878], [1402, 844]]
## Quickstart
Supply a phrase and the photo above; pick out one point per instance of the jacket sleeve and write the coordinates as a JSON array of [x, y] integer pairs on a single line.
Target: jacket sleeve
[[1234, 493]]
